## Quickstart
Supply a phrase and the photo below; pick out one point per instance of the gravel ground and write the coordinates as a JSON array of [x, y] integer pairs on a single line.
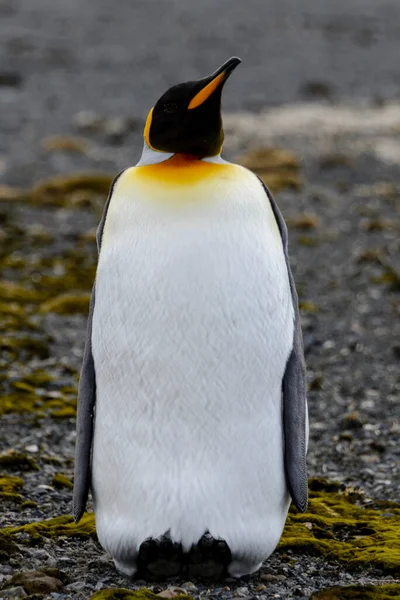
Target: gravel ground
[[88, 72]]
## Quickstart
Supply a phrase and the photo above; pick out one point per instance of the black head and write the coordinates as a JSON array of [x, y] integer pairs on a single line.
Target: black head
[[187, 118]]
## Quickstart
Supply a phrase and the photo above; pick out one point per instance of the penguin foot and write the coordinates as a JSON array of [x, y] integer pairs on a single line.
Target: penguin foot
[[208, 558], [161, 558]]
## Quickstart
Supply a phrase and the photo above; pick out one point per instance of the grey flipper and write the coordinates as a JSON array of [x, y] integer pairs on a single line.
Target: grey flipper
[[294, 388], [87, 399]]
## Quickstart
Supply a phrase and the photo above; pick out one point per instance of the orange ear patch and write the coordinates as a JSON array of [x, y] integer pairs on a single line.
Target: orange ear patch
[[147, 129], [206, 92]]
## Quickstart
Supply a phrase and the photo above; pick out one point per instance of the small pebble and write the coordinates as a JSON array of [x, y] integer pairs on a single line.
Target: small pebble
[[77, 586], [272, 578], [15, 592], [6, 570], [242, 592], [32, 448], [42, 489]]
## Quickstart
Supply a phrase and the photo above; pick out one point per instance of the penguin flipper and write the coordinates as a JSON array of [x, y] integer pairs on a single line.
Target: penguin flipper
[[84, 422], [294, 388], [87, 399]]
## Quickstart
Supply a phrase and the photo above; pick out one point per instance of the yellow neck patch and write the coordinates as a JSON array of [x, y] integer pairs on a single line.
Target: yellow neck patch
[[180, 170], [180, 174]]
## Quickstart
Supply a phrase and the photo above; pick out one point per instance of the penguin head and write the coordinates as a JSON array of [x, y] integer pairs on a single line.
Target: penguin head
[[187, 118]]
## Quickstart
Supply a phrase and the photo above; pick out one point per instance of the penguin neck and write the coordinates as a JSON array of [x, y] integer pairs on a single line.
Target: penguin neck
[[153, 157]]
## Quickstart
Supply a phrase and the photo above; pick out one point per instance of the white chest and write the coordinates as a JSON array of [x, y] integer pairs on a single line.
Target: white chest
[[192, 328]]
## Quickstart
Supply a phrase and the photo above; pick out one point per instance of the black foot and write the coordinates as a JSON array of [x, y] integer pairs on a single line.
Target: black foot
[[208, 558], [161, 558]]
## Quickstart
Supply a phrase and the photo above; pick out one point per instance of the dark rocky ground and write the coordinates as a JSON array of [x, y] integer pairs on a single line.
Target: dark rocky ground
[[88, 72]]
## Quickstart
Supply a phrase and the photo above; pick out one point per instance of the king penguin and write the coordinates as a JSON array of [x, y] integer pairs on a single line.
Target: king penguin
[[192, 424]]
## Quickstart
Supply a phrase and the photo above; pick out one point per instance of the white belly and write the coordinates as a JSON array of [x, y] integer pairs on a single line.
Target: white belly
[[192, 328]]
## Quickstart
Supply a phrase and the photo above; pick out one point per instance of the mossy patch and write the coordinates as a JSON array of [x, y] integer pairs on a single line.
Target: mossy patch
[[278, 168], [308, 306], [9, 486], [38, 378], [58, 526], [19, 403], [308, 240], [61, 191], [7, 548], [124, 594], [389, 277], [12, 308], [380, 224], [61, 407], [359, 592], [60, 481], [10, 193], [371, 255], [29, 504], [65, 143], [67, 304], [339, 529], [305, 222], [17, 461], [14, 292], [24, 346]]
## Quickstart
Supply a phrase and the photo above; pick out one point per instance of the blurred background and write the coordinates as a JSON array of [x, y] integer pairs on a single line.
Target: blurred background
[[64, 64]]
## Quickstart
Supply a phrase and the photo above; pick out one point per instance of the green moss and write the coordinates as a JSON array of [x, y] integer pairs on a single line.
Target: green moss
[[19, 403], [7, 547], [61, 191], [379, 224], [22, 386], [24, 346], [17, 461], [38, 378], [371, 255], [64, 413], [65, 143], [337, 528], [362, 592], [308, 240], [25, 402], [11, 194], [306, 222], [124, 594], [58, 526], [278, 168], [61, 481], [389, 277], [9, 486], [12, 308], [29, 504], [308, 306], [67, 304], [15, 292]]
